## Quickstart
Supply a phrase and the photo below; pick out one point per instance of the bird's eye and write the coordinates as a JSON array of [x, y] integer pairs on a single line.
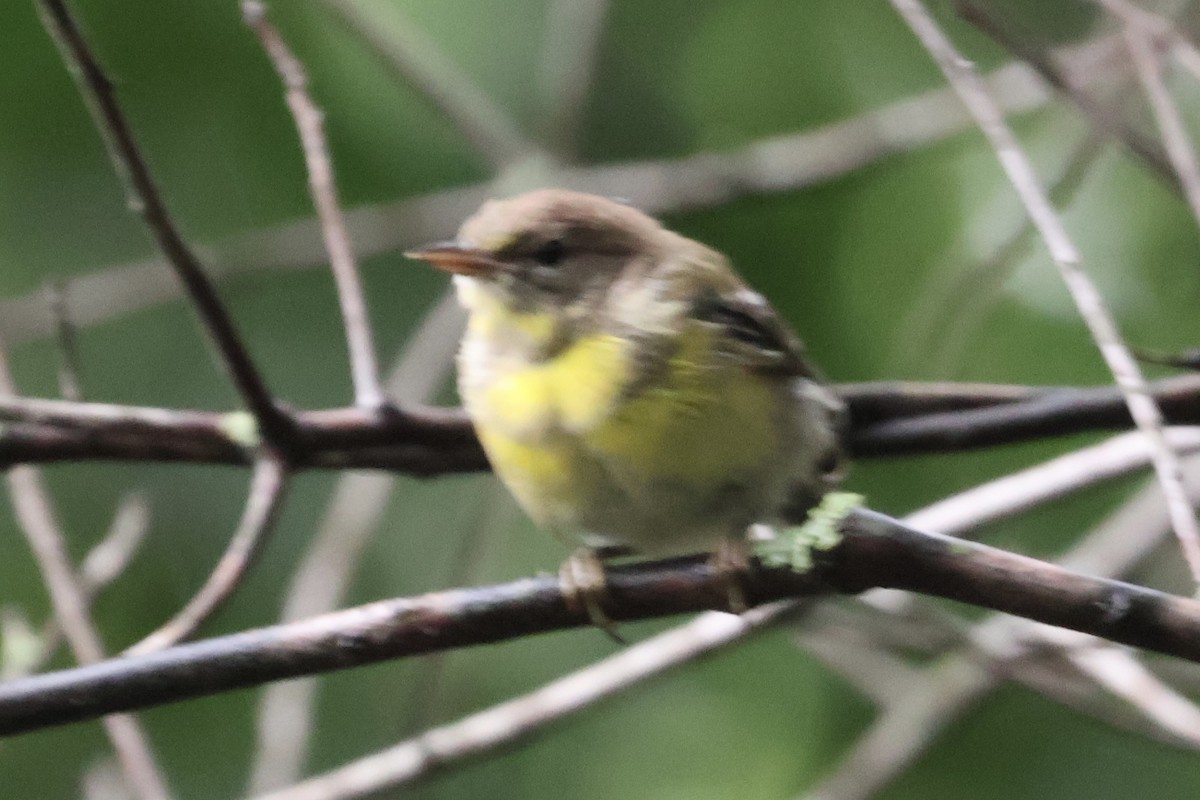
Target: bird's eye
[[550, 253]]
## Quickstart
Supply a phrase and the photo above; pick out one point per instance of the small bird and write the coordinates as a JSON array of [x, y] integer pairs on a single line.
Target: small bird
[[628, 387]]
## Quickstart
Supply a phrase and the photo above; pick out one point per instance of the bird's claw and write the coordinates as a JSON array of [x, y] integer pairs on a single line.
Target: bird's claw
[[583, 585]]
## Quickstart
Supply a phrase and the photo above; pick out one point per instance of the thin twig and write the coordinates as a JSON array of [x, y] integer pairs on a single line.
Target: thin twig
[[1166, 114], [103, 564], [419, 63], [766, 166], [878, 667], [310, 125], [264, 499], [960, 679], [144, 198], [876, 673], [286, 713], [570, 50], [421, 757], [1122, 674], [962, 77], [69, 385], [1051, 414], [1012, 494], [390, 768], [1023, 44], [1159, 27], [38, 522]]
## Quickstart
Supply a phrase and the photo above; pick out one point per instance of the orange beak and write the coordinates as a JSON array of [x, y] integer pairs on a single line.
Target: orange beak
[[458, 259]]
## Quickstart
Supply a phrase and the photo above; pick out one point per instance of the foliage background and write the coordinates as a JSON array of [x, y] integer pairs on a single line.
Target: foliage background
[[866, 265]]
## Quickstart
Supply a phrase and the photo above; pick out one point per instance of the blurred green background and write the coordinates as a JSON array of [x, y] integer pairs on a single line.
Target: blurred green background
[[884, 268]]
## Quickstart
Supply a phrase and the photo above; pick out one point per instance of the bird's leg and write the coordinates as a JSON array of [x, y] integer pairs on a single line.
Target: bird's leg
[[731, 561], [581, 579]]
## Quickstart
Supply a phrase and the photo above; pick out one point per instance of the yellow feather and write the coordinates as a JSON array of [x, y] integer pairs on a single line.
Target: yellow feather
[[703, 423]]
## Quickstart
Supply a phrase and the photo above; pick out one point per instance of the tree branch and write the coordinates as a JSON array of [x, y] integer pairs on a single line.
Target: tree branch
[[887, 419], [144, 198], [309, 120], [873, 551], [1090, 303]]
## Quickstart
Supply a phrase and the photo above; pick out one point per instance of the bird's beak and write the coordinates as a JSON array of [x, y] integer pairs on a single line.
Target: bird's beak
[[458, 259]]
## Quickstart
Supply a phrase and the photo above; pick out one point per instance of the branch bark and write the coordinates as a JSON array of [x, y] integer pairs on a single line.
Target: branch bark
[[873, 551]]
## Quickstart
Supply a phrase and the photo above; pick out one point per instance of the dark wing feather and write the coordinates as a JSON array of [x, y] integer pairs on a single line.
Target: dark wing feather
[[747, 318]]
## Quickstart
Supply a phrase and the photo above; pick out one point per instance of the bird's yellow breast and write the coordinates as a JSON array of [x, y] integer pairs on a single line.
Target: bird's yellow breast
[[585, 430]]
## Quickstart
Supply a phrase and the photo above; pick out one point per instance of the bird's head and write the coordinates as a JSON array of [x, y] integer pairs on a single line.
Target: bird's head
[[548, 252]]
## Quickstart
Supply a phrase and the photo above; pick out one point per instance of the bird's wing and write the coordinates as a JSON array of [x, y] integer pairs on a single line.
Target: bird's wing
[[763, 341]]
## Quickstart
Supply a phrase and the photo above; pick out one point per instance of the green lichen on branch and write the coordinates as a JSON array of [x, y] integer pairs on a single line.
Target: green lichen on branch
[[793, 547], [241, 428]]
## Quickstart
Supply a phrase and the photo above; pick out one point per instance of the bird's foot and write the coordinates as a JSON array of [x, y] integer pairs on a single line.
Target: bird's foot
[[583, 585], [731, 561]]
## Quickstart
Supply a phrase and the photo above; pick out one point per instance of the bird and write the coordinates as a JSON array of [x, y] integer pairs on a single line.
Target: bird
[[629, 387]]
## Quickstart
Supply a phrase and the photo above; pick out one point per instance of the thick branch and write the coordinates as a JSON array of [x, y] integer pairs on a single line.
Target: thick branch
[[887, 419], [874, 551]]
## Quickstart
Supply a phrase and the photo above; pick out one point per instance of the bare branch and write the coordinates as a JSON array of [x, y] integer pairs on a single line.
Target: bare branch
[[419, 758], [1166, 114], [267, 489], [1020, 491], [1022, 44], [103, 564], [873, 550], [1146, 415], [144, 198], [366, 773], [285, 711], [1157, 27], [310, 125], [776, 164], [38, 522], [417, 61], [1000, 646], [69, 370], [570, 49], [1055, 413], [888, 419]]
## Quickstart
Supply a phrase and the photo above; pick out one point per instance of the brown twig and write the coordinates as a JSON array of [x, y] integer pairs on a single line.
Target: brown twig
[[1090, 303], [144, 198], [69, 385], [766, 166], [570, 50], [1170, 124], [873, 550], [1023, 45], [1188, 359], [264, 498], [38, 522], [962, 678], [887, 419], [419, 63], [417, 759], [364, 368], [693, 640], [286, 710], [103, 564], [1187, 53], [394, 767]]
